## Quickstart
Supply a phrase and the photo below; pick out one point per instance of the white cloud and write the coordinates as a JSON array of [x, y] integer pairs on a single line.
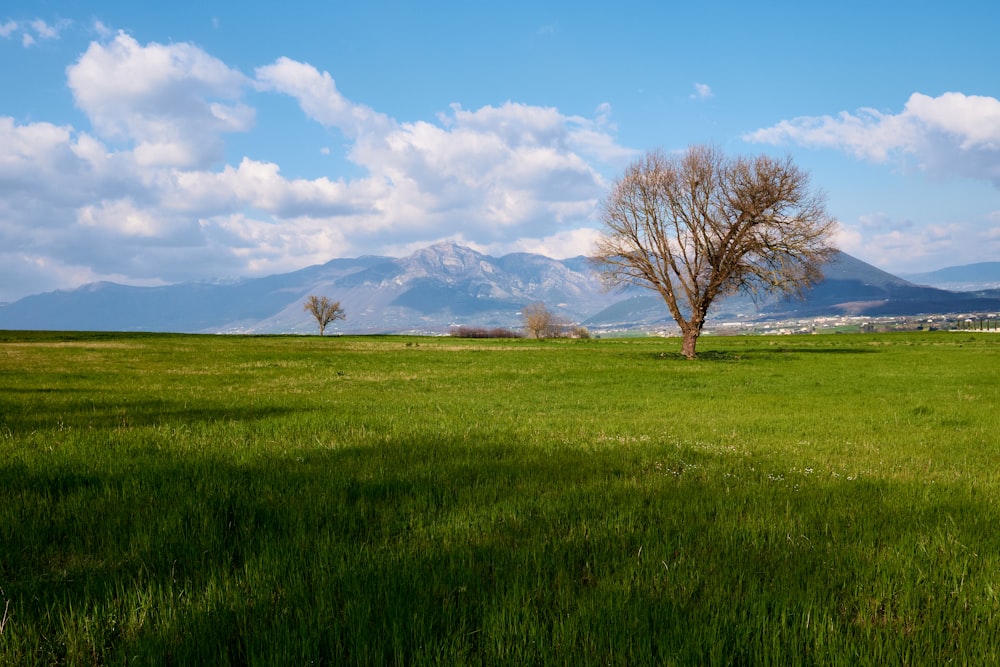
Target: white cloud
[[172, 102], [102, 29], [260, 247], [899, 245], [702, 91], [493, 170], [260, 185], [46, 31], [563, 244], [949, 135], [33, 30], [50, 163], [121, 217], [319, 98], [882, 222]]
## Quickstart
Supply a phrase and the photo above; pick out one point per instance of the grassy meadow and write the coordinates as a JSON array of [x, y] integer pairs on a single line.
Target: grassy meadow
[[815, 500]]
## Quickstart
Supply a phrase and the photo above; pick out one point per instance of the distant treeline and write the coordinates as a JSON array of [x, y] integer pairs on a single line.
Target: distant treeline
[[979, 324]]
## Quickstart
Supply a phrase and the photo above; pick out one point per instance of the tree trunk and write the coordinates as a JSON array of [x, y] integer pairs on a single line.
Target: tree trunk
[[690, 341]]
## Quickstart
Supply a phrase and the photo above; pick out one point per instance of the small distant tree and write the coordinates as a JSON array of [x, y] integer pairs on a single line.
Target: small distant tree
[[324, 310], [540, 322]]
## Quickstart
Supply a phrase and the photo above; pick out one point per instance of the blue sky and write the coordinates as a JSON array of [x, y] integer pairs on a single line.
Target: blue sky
[[152, 143]]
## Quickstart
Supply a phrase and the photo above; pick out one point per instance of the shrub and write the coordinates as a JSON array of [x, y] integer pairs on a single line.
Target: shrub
[[483, 332]]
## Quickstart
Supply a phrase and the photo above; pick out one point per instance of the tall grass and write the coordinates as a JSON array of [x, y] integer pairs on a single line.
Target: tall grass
[[283, 500]]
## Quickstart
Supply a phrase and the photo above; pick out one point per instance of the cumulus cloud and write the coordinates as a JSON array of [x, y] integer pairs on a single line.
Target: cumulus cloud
[[144, 196], [904, 245], [51, 164], [173, 102], [319, 98], [260, 185], [949, 135], [491, 169], [563, 244], [900, 243], [122, 217]]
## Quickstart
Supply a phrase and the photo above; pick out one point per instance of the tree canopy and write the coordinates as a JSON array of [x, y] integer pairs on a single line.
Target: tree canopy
[[702, 225], [324, 310], [541, 322]]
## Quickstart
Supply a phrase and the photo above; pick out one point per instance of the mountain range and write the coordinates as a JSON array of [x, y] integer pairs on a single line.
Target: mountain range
[[447, 285], [966, 278]]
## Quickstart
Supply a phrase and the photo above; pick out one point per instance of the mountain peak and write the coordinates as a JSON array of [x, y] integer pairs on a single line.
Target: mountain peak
[[447, 258], [447, 248]]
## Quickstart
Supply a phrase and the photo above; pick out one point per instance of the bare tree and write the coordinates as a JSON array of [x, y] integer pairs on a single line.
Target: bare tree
[[324, 310], [703, 225], [540, 322]]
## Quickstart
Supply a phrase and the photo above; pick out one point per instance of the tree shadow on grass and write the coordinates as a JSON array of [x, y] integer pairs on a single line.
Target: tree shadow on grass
[[750, 353], [429, 550]]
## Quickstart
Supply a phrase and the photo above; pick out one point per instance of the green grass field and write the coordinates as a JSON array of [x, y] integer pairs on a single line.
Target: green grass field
[[829, 500]]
